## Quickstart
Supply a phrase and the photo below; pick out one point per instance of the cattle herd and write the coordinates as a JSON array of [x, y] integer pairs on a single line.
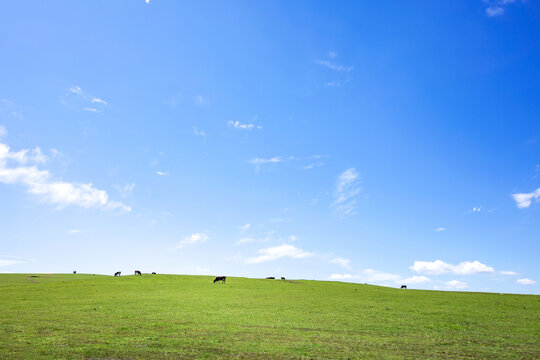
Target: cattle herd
[[218, 279], [137, 272]]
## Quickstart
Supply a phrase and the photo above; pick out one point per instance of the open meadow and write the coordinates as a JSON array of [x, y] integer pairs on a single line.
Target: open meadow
[[66, 316]]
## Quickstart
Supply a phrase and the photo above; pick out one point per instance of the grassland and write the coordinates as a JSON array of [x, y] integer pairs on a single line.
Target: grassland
[[174, 317]]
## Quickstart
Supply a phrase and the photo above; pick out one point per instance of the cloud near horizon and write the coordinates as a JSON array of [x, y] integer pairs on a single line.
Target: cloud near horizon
[[278, 252], [439, 267], [42, 184]]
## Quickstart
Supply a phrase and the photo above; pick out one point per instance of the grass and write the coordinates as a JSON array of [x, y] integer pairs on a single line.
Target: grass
[[66, 316]]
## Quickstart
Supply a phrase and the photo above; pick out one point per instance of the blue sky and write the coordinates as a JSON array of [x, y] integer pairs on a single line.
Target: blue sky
[[359, 141]]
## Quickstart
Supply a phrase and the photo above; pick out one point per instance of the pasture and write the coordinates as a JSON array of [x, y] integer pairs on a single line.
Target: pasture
[[67, 316]]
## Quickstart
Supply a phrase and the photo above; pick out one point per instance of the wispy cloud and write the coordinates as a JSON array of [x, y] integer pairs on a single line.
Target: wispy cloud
[[161, 173], [509, 273], [198, 132], [368, 276], [74, 231], [278, 252], [524, 200], [3, 131], [244, 227], [333, 66], [416, 280], [475, 209], [440, 229], [193, 239], [77, 97], [125, 190], [244, 241], [497, 7], [41, 182], [272, 160], [525, 281], [346, 192], [346, 263], [9, 262], [438, 267], [456, 284], [10, 109], [247, 126]]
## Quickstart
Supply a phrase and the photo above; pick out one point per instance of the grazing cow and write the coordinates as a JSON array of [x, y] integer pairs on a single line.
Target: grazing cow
[[74, 272], [153, 273], [283, 278], [220, 279], [403, 286], [137, 272], [117, 273], [271, 278]]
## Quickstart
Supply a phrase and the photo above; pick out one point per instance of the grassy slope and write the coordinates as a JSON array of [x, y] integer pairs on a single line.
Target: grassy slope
[[170, 316]]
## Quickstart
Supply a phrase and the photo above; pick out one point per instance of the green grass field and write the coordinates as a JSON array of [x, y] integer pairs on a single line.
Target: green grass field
[[79, 316]]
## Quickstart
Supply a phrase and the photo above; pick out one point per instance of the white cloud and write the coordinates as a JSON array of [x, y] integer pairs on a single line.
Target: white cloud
[[476, 209], [456, 284], [74, 231], [278, 252], [440, 229], [369, 276], [80, 98], [524, 200], [345, 194], [509, 273], [192, 239], [332, 54], [346, 263], [333, 66], [525, 281], [239, 125], [147, 1], [494, 11], [314, 165], [243, 241], [161, 173], [496, 7], [198, 132], [292, 237], [9, 262], [125, 190], [198, 268], [272, 160], [98, 101], [3, 131], [438, 267], [343, 276], [244, 227], [416, 280], [41, 182]]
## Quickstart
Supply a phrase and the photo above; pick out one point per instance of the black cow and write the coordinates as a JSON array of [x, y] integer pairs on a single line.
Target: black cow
[[153, 273], [403, 286], [271, 278], [137, 272], [283, 278], [220, 279], [117, 273], [74, 272]]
